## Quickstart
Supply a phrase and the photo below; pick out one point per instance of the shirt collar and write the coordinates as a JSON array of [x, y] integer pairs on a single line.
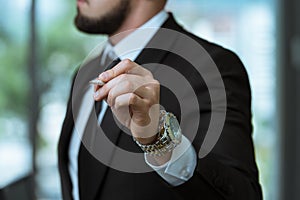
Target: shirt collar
[[132, 45]]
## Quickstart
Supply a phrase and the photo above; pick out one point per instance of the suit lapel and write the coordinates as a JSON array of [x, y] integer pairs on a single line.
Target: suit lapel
[[63, 153], [77, 91], [157, 48], [96, 151], [160, 45], [96, 154], [92, 169]]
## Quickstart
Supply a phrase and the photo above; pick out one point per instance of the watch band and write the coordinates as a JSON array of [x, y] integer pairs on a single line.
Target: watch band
[[166, 141]]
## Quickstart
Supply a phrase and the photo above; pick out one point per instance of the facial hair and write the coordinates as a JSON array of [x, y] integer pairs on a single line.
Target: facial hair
[[107, 24]]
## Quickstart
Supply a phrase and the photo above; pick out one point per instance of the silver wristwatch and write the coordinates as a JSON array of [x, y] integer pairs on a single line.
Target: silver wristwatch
[[169, 136]]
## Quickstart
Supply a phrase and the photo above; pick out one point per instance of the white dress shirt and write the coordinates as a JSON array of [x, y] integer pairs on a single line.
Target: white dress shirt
[[183, 160]]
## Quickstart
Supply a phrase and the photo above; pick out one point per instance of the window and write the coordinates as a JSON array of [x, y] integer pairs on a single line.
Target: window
[[248, 28], [244, 26]]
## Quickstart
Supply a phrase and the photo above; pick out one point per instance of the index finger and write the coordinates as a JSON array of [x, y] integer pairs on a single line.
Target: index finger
[[125, 66]]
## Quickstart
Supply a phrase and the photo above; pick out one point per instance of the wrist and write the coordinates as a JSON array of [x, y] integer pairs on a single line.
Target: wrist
[[148, 140], [168, 137]]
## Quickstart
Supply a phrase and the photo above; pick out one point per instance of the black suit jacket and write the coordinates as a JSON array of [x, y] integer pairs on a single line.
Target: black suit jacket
[[228, 172]]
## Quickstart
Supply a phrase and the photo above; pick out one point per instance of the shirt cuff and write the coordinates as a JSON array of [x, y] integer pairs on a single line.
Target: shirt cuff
[[180, 168]]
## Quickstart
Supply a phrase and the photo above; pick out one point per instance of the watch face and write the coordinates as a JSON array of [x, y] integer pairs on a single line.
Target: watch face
[[175, 132]]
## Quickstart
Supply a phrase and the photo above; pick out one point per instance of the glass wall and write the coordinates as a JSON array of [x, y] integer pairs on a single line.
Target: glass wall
[[15, 149], [249, 29], [245, 26]]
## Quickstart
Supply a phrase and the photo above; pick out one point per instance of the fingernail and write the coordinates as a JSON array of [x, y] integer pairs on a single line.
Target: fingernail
[[97, 94], [103, 76]]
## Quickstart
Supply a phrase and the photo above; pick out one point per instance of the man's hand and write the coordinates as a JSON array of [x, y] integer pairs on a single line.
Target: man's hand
[[133, 95]]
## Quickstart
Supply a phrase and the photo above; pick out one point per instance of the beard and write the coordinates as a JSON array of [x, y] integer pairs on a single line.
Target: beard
[[107, 24]]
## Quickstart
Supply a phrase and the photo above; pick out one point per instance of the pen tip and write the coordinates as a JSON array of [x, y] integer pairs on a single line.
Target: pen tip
[[96, 82]]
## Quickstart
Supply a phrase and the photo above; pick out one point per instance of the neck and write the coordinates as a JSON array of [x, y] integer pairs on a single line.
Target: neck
[[138, 15]]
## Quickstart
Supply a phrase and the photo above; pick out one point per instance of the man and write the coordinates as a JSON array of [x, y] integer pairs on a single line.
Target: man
[[156, 73]]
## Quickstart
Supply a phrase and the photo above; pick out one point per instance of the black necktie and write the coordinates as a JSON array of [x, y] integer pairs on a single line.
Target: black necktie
[[90, 170], [98, 104]]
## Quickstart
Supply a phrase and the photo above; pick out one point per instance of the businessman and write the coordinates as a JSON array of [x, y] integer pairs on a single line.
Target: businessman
[[147, 127]]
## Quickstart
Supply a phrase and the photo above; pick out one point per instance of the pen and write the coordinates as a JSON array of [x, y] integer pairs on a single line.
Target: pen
[[98, 81]]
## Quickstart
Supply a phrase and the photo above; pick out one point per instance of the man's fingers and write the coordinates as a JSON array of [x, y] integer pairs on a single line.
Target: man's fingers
[[124, 81], [123, 88], [140, 71], [148, 90], [130, 99], [142, 114], [125, 66]]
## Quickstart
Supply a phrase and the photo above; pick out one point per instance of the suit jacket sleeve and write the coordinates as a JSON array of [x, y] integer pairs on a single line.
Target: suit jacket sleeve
[[229, 171]]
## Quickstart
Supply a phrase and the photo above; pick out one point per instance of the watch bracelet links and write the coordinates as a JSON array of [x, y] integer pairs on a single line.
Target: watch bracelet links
[[162, 145]]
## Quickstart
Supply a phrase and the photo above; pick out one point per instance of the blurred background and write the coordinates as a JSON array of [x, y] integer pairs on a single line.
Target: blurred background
[[40, 49]]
